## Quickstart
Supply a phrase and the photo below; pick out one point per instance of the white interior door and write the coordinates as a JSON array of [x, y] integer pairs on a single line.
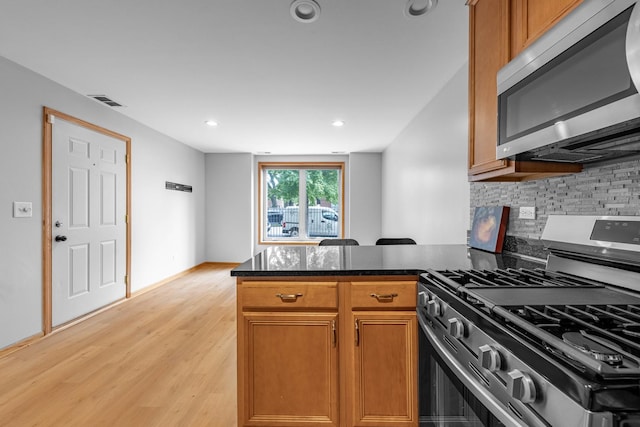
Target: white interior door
[[88, 211]]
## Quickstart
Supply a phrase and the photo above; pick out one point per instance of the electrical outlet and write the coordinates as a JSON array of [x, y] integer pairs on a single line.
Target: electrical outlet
[[22, 210], [527, 212]]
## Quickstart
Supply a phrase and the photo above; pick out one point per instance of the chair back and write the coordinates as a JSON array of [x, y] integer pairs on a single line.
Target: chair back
[[338, 242], [395, 241]]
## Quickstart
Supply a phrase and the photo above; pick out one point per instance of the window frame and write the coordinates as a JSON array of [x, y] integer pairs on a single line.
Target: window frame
[[302, 166]]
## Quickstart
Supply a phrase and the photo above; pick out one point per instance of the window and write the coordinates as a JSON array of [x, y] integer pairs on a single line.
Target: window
[[300, 202]]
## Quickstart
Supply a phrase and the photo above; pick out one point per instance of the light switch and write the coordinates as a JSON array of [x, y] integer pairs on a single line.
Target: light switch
[[22, 210]]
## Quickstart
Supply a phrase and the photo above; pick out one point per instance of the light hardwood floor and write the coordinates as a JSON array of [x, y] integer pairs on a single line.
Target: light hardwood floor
[[164, 358]]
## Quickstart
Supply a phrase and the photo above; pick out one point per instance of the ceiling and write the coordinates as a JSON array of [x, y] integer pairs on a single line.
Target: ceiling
[[272, 83]]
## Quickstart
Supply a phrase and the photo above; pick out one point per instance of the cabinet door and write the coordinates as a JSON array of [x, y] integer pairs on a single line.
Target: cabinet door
[[531, 18], [488, 52], [384, 369], [289, 361]]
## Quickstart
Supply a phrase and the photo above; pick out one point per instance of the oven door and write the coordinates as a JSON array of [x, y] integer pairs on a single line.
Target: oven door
[[448, 395]]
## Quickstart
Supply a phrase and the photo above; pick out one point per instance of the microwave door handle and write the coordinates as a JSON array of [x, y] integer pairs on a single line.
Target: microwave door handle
[[632, 45]]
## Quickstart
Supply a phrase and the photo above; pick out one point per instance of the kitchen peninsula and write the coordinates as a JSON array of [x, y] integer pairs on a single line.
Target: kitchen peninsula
[[327, 335]]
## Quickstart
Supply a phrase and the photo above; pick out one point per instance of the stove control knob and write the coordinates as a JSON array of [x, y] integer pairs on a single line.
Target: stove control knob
[[423, 298], [434, 308], [456, 328], [520, 386], [489, 358]]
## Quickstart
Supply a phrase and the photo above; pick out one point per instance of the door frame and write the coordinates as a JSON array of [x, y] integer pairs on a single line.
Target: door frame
[[47, 170]]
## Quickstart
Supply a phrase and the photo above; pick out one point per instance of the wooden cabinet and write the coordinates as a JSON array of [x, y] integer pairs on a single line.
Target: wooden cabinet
[[384, 367], [317, 352], [382, 354], [492, 33], [488, 52], [531, 18], [291, 366], [287, 353]]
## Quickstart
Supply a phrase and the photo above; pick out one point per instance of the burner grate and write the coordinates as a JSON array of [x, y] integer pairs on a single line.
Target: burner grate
[[614, 327], [517, 278]]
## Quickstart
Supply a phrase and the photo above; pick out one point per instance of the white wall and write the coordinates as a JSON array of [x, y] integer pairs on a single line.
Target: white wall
[[230, 207], [168, 227], [365, 201], [425, 192]]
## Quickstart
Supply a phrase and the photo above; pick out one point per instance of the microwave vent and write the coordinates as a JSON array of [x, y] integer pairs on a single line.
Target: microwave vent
[[617, 141], [568, 157]]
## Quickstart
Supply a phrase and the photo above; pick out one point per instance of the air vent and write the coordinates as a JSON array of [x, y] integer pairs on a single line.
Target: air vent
[[106, 100]]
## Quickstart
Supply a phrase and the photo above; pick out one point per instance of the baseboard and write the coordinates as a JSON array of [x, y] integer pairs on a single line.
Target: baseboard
[[207, 264], [20, 344], [164, 281], [221, 264]]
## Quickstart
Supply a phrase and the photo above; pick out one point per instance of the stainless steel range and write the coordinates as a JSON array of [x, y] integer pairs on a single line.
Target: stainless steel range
[[538, 347]]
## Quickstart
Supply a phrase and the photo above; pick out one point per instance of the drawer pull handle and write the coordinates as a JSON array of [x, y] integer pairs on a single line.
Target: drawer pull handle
[[384, 297], [289, 297]]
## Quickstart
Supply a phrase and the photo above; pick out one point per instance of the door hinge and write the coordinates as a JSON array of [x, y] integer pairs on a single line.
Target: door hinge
[[126, 279], [51, 119], [126, 158], [126, 219]]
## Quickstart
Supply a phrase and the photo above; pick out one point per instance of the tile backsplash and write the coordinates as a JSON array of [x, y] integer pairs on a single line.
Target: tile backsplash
[[612, 189]]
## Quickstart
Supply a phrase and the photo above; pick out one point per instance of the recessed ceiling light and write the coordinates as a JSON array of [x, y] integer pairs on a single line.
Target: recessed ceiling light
[[338, 123], [211, 123], [417, 8], [305, 10]]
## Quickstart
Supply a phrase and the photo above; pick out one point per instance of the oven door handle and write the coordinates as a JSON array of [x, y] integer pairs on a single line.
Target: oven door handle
[[478, 390]]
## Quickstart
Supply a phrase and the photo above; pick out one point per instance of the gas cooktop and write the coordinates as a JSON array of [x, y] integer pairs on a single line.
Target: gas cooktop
[[555, 343], [578, 321]]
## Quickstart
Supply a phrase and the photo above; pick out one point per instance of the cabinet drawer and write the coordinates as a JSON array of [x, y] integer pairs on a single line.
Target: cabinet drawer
[[289, 295], [380, 295]]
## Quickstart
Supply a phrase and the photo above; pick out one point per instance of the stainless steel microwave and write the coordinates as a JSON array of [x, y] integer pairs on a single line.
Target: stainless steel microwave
[[572, 95]]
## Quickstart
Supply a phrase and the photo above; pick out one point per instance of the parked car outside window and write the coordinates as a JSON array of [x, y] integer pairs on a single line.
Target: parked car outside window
[[321, 222]]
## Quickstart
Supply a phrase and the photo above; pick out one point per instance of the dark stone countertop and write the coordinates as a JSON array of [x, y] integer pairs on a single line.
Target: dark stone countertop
[[375, 260]]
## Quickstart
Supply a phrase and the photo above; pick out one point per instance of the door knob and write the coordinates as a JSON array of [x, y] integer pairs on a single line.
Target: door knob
[[61, 238]]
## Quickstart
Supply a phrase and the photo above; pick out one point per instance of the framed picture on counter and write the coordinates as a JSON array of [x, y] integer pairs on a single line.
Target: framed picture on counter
[[489, 228]]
